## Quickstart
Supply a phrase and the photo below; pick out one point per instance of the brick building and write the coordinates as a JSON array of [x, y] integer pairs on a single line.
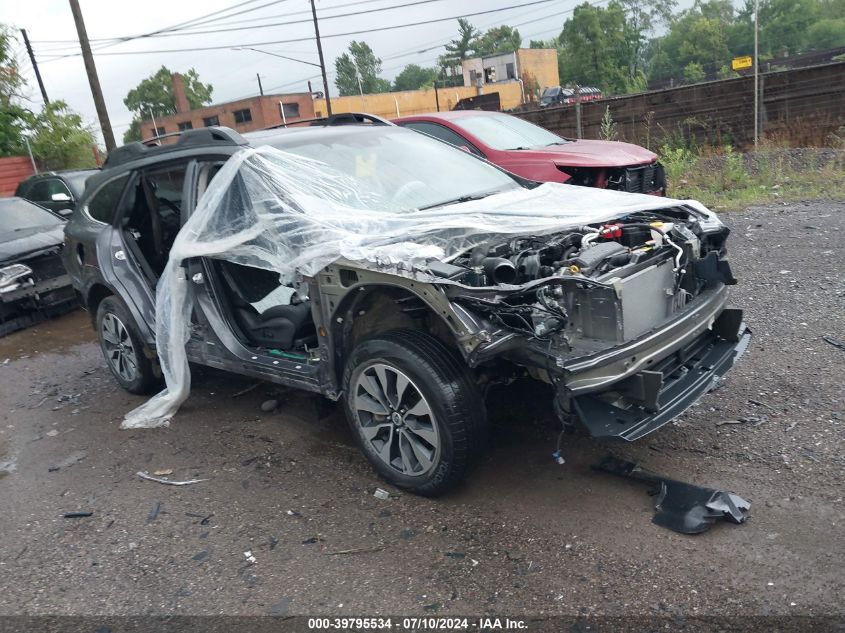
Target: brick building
[[243, 115]]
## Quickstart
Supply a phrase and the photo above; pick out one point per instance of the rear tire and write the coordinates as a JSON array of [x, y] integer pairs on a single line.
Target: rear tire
[[415, 410], [123, 348]]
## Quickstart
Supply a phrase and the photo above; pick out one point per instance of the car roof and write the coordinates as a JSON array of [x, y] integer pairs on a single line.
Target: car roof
[[280, 136], [63, 172], [449, 115], [222, 141]]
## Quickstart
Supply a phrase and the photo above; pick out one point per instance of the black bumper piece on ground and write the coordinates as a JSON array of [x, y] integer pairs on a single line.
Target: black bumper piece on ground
[[670, 387]]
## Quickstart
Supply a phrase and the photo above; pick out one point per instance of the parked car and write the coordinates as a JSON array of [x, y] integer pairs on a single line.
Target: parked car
[[58, 191], [33, 281], [624, 319], [535, 153], [555, 95]]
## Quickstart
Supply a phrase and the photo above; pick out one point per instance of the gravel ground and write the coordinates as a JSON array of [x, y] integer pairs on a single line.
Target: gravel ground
[[522, 536]]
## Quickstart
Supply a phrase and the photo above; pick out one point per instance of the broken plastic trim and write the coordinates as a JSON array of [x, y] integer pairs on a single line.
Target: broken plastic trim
[[682, 507]]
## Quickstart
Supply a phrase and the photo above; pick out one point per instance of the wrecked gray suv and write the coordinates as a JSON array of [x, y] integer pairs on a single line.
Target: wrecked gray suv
[[403, 276]]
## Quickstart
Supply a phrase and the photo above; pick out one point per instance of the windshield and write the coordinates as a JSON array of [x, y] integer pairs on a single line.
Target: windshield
[[77, 181], [551, 92], [396, 169], [501, 131], [17, 214]]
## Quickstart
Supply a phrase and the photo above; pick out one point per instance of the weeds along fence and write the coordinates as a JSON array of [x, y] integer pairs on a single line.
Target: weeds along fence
[[802, 107]]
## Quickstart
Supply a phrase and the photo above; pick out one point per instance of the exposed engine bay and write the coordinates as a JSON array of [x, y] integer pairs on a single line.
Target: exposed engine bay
[[606, 282]]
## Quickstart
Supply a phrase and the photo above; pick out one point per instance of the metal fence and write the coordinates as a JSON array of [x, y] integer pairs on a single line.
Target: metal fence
[[802, 107]]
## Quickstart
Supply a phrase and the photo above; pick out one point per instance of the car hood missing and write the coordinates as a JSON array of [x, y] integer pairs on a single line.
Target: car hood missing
[[275, 210]]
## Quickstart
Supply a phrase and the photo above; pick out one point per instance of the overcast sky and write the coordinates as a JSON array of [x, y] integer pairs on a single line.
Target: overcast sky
[[50, 27]]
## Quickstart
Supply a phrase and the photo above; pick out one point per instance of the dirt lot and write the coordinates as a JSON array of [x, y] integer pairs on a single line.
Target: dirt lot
[[524, 535]]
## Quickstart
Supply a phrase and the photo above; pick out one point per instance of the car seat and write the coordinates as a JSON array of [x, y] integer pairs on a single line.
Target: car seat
[[280, 326]]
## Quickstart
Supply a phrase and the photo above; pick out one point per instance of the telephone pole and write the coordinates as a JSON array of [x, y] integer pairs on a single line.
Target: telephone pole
[[93, 80], [756, 76], [260, 87], [322, 62], [35, 66]]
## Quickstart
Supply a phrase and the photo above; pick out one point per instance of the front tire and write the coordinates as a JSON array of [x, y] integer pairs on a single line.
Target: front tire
[[123, 349], [415, 410]]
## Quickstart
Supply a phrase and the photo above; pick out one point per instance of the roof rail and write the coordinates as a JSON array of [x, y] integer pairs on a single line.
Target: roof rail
[[343, 118], [189, 138]]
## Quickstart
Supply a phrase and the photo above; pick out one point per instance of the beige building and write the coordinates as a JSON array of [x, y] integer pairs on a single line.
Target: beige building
[[534, 68]]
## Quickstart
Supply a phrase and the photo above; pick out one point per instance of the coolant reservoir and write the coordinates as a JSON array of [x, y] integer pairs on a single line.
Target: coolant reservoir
[[666, 227]]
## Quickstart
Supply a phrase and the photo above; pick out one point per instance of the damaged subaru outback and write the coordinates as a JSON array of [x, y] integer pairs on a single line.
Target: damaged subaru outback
[[403, 277]]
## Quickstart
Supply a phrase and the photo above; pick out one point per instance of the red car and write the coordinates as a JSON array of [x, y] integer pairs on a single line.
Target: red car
[[535, 153]]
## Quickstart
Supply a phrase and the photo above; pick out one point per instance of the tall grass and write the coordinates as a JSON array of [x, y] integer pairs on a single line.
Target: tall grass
[[723, 178]]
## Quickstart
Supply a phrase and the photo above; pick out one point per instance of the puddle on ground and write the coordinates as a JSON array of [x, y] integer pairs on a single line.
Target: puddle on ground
[[50, 337]]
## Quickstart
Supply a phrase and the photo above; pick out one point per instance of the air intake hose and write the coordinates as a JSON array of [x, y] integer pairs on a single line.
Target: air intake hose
[[499, 270]]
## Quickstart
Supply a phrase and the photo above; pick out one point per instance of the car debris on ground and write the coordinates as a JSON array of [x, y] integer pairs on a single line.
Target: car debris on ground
[[159, 480], [680, 506]]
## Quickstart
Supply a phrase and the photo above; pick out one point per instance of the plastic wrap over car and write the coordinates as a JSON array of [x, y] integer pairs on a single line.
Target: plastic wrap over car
[[276, 210]]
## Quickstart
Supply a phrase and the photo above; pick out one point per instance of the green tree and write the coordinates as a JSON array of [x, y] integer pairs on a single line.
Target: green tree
[[499, 39], [549, 43], [827, 33], [60, 139], [155, 94], [457, 50], [698, 35], [593, 48], [359, 63], [785, 25], [694, 73], [133, 132], [12, 115], [642, 17], [414, 77]]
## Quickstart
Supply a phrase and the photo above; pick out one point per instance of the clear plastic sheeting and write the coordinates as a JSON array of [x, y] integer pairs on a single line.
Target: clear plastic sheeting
[[280, 211]]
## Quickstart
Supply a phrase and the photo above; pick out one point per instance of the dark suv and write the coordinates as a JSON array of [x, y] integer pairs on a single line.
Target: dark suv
[[58, 191], [625, 321]]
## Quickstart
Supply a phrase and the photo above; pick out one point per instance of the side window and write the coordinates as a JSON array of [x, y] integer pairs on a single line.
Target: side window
[[38, 192], [102, 206], [54, 186], [152, 213], [443, 133]]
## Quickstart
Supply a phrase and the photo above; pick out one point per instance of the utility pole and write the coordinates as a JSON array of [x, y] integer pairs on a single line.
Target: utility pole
[[35, 66], [93, 80], [756, 77], [578, 132], [260, 87], [322, 62]]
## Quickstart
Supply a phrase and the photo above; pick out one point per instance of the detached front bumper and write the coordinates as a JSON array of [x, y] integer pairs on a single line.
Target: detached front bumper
[[645, 401]]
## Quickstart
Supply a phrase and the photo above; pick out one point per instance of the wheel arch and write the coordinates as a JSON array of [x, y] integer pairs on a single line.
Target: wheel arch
[[94, 297], [371, 308]]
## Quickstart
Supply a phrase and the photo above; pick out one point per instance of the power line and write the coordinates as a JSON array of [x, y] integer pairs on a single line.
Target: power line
[[197, 21], [304, 12], [194, 21], [332, 35], [304, 21], [416, 50]]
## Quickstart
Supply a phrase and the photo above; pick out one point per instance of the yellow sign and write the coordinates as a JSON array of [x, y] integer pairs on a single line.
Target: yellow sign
[[738, 63]]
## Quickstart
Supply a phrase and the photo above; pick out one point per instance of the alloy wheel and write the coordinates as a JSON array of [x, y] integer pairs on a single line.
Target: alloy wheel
[[396, 420], [118, 347]]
